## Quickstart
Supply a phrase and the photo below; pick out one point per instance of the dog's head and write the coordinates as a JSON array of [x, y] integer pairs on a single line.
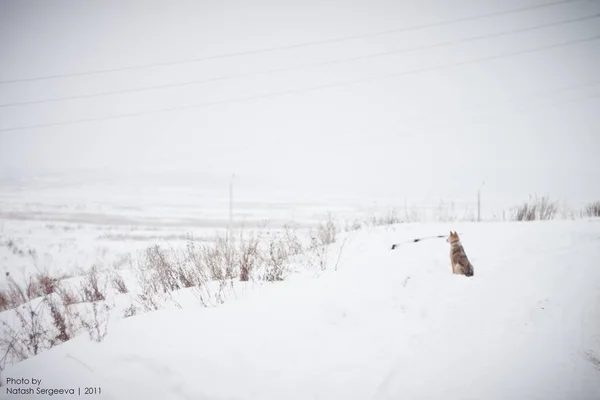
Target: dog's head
[[453, 238]]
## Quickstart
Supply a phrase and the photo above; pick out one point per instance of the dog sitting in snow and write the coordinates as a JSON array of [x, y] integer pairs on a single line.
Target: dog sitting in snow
[[458, 258]]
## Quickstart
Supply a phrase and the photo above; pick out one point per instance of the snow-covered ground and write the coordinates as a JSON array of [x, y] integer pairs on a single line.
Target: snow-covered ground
[[71, 228], [384, 325], [71, 225]]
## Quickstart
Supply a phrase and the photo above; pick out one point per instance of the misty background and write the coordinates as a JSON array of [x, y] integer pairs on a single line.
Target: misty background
[[373, 100]]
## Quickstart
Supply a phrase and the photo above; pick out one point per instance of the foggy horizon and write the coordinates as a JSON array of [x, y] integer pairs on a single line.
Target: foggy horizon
[[440, 105]]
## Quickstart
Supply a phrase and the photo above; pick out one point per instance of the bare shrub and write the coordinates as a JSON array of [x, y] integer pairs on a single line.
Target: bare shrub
[[293, 242], [164, 271], [535, 209], [152, 290], [249, 257], [593, 359], [39, 324], [90, 287], [67, 296], [119, 284], [212, 258], [4, 300], [546, 208], [29, 337], [227, 251], [353, 225], [13, 246], [318, 254], [186, 272], [149, 299], [161, 272], [275, 260], [46, 283], [327, 231], [193, 256], [388, 218], [95, 320], [33, 289], [42, 284], [59, 321], [14, 294], [593, 209], [219, 259], [522, 213], [130, 311]]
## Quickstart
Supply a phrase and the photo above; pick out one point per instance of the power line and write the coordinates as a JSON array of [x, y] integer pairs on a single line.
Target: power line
[[296, 68], [292, 46], [304, 90]]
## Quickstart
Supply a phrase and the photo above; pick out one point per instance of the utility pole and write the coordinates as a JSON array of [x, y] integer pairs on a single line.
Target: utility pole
[[230, 225], [479, 202]]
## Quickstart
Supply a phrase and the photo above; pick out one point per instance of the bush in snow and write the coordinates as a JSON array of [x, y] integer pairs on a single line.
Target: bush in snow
[[535, 209], [94, 319], [90, 288], [389, 218], [249, 257], [593, 209], [28, 334], [119, 284], [13, 295]]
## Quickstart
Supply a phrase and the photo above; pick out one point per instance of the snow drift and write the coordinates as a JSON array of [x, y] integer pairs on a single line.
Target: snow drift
[[384, 325]]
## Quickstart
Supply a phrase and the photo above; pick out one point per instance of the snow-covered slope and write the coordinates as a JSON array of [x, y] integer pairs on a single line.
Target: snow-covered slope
[[385, 325]]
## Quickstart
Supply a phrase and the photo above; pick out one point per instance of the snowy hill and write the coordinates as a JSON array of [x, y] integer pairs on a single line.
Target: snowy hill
[[384, 325]]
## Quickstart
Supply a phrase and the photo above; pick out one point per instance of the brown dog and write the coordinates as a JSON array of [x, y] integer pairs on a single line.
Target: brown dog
[[458, 258]]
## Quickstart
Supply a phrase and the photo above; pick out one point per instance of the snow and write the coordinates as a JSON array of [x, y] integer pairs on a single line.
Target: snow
[[384, 325]]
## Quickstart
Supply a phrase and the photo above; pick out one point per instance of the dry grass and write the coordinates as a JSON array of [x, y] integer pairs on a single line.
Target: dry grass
[[5, 302], [130, 311], [59, 320], [15, 294], [353, 225], [219, 259], [67, 296], [327, 231], [43, 317], [275, 260], [91, 290], [27, 337], [65, 310], [593, 209], [94, 319], [249, 256], [388, 218], [119, 284], [535, 209]]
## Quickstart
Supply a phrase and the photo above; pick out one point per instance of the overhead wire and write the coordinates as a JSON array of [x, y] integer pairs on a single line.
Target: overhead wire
[[292, 46], [302, 67], [308, 89]]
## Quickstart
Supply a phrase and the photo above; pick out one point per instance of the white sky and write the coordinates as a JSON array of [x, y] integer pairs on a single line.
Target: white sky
[[437, 133]]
